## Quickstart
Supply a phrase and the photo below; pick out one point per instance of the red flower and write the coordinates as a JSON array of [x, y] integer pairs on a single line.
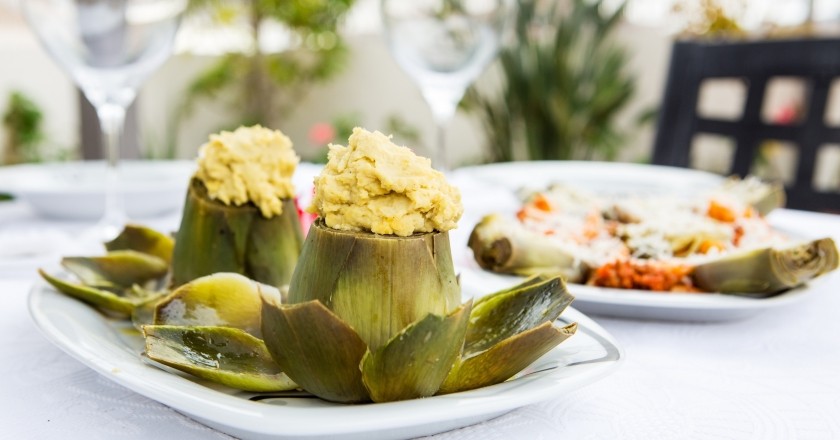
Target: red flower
[[321, 134]]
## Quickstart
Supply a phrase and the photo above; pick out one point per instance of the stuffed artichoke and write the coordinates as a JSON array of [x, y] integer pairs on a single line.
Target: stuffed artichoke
[[240, 215], [374, 308]]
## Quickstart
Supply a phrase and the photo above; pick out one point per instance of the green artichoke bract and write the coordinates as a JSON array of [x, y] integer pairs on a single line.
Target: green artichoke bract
[[224, 355], [142, 239], [214, 237], [123, 279], [222, 299], [379, 318]]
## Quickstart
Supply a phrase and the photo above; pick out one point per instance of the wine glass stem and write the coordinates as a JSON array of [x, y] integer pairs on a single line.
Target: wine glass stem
[[439, 156], [111, 121], [444, 103]]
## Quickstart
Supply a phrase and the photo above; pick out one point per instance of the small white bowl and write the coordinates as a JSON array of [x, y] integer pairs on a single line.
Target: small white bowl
[[75, 190]]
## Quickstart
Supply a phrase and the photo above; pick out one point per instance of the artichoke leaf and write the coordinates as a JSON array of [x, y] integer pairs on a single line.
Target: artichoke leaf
[[116, 269], [100, 298], [506, 313], [316, 349], [224, 355], [502, 244], [415, 362], [222, 299], [503, 360], [142, 239], [767, 271]]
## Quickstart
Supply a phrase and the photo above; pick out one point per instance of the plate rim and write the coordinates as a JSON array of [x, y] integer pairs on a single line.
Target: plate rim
[[189, 397], [701, 302]]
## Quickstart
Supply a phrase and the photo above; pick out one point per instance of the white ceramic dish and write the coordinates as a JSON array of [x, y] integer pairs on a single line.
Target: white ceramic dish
[[641, 304], [113, 349], [74, 190], [611, 178]]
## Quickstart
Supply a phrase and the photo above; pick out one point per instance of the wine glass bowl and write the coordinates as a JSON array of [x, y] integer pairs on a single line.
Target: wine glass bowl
[[443, 45], [109, 48]]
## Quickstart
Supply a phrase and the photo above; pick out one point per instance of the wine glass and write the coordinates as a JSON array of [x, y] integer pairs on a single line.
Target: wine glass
[[109, 48], [443, 45]]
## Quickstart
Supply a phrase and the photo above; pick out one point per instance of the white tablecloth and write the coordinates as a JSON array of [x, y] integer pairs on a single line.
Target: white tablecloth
[[774, 376]]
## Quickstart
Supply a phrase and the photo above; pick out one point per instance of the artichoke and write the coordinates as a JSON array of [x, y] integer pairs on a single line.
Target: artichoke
[[501, 244], [764, 272], [373, 317], [214, 237]]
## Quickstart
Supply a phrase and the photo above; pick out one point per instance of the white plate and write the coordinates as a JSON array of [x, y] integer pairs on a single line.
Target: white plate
[[625, 303], [113, 350], [609, 178], [75, 190]]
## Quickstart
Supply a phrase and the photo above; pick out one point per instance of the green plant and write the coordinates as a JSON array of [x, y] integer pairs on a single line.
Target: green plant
[[564, 83], [23, 121], [267, 85]]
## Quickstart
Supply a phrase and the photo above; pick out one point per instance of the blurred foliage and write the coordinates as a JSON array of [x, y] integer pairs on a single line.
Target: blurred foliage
[[709, 19], [564, 83], [267, 86], [404, 132], [23, 122]]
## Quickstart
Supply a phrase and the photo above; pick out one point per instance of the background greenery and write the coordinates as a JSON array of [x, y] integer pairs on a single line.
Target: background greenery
[[564, 83]]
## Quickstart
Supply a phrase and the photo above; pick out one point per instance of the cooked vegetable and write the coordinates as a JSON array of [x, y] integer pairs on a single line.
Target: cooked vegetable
[[117, 269], [214, 237], [117, 282], [100, 298], [763, 196], [379, 318], [501, 244], [717, 241], [225, 355], [356, 276], [142, 239], [222, 299], [649, 275], [766, 271]]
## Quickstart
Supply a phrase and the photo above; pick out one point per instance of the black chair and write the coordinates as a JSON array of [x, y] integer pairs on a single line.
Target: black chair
[[816, 61]]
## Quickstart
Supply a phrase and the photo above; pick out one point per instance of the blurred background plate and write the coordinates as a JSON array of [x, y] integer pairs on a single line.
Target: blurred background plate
[[75, 190]]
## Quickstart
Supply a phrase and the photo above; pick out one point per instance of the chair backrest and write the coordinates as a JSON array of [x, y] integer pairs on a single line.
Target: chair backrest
[[816, 61]]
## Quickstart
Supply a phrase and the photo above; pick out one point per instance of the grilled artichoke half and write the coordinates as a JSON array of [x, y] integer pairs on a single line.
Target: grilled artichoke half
[[764, 272], [379, 318], [214, 237], [501, 244]]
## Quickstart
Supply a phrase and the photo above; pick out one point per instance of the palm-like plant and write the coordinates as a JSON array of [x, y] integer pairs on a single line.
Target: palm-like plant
[[564, 83]]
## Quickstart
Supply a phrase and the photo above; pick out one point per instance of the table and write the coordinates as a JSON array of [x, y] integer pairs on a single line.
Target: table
[[774, 376]]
